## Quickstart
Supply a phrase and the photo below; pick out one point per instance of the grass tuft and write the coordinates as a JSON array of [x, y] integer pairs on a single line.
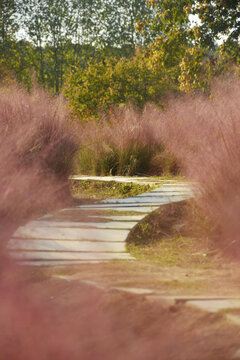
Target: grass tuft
[[125, 145], [107, 189], [168, 237]]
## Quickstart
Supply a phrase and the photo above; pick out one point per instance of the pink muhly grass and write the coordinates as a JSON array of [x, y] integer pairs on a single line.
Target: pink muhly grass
[[37, 146], [126, 142], [204, 136]]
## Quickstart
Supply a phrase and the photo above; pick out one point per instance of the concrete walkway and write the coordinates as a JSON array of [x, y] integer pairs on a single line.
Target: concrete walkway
[[91, 233], [97, 233]]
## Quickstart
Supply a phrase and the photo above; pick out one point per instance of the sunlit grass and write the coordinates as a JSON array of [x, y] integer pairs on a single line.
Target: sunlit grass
[[107, 189], [176, 251]]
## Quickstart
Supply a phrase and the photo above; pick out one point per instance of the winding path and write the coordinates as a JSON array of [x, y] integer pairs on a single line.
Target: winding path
[[91, 233], [97, 233]]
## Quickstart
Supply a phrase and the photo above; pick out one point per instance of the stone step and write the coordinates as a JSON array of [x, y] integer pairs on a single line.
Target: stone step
[[121, 179], [70, 234], [116, 203], [131, 218], [136, 291], [174, 184], [60, 262], [101, 218], [215, 305], [165, 193], [102, 225], [141, 209], [51, 255], [69, 245], [131, 179], [148, 200]]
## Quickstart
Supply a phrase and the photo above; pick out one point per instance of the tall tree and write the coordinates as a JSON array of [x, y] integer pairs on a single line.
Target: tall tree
[[169, 16], [8, 28], [49, 25], [8, 23], [170, 25], [59, 27], [33, 15], [121, 22], [112, 24], [220, 19]]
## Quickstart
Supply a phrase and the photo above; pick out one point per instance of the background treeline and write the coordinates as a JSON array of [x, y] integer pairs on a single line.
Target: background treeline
[[109, 53], [50, 37]]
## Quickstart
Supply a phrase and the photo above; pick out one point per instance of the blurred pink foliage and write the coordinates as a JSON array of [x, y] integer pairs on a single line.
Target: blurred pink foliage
[[204, 136], [37, 146]]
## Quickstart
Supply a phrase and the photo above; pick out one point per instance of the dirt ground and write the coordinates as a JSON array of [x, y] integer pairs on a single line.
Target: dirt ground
[[47, 317], [223, 280]]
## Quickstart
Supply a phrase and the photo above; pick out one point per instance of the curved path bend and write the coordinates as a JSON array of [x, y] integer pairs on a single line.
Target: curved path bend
[[91, 233]]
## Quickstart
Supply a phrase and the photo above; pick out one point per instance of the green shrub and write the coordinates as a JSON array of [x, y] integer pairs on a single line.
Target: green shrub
[[102, 85], [112, 161]]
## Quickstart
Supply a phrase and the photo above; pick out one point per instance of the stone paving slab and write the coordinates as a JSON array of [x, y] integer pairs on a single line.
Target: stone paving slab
[[103, 225], [207, 303], [51, 255], [186, 298], [141, 209], [60, 262], [70, 234], [166, 188], [62, 245], [173, 184], [91, 218], [137, 291], [114, 204], [166, 193], [147, 200], [215, 305], [131, 218], [151, 180], [122, 179]]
